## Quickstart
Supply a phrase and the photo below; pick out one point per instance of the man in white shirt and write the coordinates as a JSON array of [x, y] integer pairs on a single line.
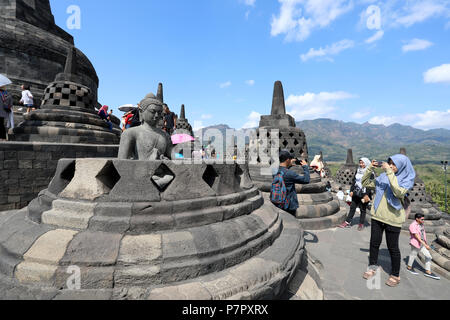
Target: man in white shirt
[[27, 98]]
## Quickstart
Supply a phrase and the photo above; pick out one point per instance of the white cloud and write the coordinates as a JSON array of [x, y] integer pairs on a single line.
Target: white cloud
[[206, 116], [311, 106], [360, 114], [419, 11], [198, 125], [416, 45], [225, 85], [447, 25], [328, 51], [298, 18], [250, 82], [439, 74], [249, 2], [430, 119], [252, 120], [377, 36]]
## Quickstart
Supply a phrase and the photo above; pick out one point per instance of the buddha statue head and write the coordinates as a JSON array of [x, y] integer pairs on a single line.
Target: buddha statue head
[[150, 110]]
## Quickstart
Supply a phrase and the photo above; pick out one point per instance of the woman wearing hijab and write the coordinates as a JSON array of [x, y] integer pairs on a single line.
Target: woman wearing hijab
[[388, 214], [103, 113], [360, 196]]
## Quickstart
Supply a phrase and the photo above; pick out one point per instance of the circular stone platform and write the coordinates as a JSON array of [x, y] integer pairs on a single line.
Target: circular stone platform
[[150, 230]]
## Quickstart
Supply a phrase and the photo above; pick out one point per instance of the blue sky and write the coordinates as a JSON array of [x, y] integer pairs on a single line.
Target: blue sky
[[353, 60]]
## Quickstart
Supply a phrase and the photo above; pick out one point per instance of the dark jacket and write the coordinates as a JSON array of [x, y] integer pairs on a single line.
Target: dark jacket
[[290, 179]]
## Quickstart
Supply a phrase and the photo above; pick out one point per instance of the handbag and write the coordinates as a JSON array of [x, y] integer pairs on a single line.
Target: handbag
[[358, 192], [407, 206]]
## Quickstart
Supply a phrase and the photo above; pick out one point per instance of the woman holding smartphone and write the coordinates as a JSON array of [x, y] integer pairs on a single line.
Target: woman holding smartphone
[[388, 214]]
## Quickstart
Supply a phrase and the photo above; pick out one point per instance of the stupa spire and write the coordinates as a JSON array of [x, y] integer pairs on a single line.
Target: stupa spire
[[349, 157], [182, 112], [160, 95], [278, 105]]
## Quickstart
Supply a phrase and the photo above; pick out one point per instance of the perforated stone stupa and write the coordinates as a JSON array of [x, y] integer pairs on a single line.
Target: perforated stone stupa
[[183, 125], [318, 208], [345, 175], [67, 113], [421, 202]]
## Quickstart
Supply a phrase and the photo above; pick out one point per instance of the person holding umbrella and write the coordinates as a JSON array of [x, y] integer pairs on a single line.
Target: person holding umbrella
[[5, 105]]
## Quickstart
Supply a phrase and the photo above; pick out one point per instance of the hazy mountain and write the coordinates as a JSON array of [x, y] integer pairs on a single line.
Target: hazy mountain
[[334, 137]]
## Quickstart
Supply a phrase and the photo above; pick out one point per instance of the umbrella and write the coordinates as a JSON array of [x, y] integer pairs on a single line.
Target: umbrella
[[127, 107], [4, 81], [181, 138]]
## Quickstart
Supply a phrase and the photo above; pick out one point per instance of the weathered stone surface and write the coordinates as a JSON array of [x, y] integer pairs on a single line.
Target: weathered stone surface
[[31, 272], [144, 249], [69, 214], [93, 249], [50, 247], [86, 184]]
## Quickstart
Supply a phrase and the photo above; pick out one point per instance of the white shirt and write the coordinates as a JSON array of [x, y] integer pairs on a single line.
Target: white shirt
[[27, 97]]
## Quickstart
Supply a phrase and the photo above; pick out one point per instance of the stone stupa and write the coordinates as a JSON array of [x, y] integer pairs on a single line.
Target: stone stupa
[[345, 175], [318, 208], [67, 113], [183, 126], [421, 203], [150, 229]]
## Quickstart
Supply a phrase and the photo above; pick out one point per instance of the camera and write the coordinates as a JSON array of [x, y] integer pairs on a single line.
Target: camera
[[299, 162], [379, 164]]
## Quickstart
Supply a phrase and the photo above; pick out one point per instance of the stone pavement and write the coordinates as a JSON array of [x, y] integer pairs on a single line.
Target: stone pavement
[[343, 256]]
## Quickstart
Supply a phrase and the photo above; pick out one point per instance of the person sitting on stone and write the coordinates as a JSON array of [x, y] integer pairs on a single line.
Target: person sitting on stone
[[147, 142], [287, 161], [103, 113], [5, 111]]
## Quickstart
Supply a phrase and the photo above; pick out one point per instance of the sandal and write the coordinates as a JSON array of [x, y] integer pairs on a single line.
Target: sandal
[[369, 274], [393, 281]]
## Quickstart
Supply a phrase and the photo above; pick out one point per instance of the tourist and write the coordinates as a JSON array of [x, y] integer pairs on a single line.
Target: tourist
[[27, 98], [419, 244], [290, 178], [6, 104], [388, 214], [318, 166], [127, 118], [360, 197], [103, 113], [170, 120]]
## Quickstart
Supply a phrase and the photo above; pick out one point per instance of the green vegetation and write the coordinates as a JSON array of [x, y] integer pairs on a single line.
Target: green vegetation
[[432, 175]]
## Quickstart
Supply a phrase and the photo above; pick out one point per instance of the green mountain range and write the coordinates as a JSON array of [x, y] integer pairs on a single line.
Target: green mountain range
[[334, 138]]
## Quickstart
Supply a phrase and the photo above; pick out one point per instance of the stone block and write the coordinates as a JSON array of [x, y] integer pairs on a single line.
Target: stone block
[[143, 249], [30, 272], [25, 164], [137, 276], [178, 244], [69, 214], [10, 164], [93, 249], [26, 155], [50, 247], [90, 278]]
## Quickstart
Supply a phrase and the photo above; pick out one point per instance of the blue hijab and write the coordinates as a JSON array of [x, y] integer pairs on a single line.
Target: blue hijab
[[405, 177]]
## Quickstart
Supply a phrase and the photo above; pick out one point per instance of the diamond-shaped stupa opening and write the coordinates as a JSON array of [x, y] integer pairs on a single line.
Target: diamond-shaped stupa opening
[[163, 177], [68, 172], [109, 175], [210, 176]]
